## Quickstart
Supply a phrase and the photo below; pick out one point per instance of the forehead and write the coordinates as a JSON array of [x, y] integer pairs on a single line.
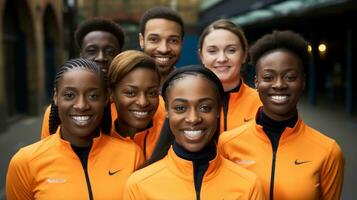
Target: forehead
[[280, 59], [162, 27], [141, 75], [80, 78], [220, 37], [192, 87], [100, 37]]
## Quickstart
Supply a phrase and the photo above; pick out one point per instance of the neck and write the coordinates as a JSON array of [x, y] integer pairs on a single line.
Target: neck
[[227, 86], [77, 141]]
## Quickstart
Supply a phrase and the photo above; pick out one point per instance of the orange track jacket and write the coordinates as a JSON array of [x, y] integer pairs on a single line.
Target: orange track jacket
[[172, 178], [242, 106], [50, 169], [308, 164]]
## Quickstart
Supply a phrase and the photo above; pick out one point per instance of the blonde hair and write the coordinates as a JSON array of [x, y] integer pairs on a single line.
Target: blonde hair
[[125, 62]]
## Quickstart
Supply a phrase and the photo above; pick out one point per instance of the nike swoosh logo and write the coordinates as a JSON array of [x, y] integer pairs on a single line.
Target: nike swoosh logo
[[298, 162], [112, 173], [247, 119]]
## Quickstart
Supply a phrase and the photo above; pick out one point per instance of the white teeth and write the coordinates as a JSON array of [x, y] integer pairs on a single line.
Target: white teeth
[[162, 59], [279, 98], [81, 120], [140, 114], [193, 134]]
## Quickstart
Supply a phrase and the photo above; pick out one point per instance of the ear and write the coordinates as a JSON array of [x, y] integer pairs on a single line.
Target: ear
[[141, 41], [54, 98], [255, 81]]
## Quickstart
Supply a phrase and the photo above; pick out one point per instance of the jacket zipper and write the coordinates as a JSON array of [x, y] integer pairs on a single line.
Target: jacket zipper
[[90, 193], [271, 193]]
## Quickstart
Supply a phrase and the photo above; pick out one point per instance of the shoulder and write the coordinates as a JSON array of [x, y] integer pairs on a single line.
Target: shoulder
[[149, 173], [319, 139], [231, 135], [118, 144], [38, 149]]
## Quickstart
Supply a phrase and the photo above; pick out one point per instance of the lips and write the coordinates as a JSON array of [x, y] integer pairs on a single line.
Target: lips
[[163, 60], [194, 135], [141, 114], [279, 99], [81, 120], [221, 68]]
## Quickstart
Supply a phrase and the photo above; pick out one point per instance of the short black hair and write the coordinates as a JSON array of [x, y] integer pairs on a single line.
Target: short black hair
[[286, 40], [161, 12], [99, 24]]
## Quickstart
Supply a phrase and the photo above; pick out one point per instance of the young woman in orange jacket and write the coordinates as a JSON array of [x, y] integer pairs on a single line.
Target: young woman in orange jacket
[[79, 161], [293, 160], [185, 163]]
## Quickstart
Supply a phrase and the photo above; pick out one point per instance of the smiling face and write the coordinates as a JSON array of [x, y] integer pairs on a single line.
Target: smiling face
[[162, 41], [100, 47], [192, 112], [280, 81], [80, 97], [223, 54], [136, 97]]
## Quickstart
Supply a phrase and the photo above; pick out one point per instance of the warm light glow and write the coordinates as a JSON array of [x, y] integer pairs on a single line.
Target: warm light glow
[[322, 47], [309, 48]]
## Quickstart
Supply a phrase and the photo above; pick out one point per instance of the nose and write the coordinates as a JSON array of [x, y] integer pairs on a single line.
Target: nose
[[193, 117], [81, 104], [222, 57], [163, 47], [142, 100], [100, 57], [279, 83]]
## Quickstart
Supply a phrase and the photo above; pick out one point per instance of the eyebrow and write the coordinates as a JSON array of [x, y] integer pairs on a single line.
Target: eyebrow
[[200, 100]]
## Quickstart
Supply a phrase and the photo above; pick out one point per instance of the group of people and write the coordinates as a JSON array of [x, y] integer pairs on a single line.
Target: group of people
[[130, 125]]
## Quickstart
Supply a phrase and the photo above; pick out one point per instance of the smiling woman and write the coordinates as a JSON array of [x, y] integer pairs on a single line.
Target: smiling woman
[[80, 154], [134, 84], [278, 146], [185, 163]]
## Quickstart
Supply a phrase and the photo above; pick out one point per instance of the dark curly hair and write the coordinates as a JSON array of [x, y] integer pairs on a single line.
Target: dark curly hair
[[286, 40], [161, 12], [99, 24], [79, 63]]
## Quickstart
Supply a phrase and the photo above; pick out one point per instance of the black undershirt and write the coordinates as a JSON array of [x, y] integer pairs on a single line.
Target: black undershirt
[[83, 153], [226, 103], [272, 128], [200, 162]]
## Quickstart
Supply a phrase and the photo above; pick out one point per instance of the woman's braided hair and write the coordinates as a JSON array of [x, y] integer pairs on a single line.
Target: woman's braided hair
[[79, 63]]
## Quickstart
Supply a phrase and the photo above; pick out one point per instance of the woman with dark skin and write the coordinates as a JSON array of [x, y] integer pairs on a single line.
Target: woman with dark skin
[[134, 84], [223, 49], [80, 155], [293, 160], [185, 163]]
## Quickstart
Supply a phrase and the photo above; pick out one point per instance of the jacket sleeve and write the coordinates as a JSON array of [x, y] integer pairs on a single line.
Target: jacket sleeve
[[19, 179], [45, 131], [332, 174], [257, 192]]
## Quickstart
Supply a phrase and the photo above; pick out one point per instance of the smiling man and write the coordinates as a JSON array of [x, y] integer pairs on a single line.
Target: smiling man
[[161, 37]]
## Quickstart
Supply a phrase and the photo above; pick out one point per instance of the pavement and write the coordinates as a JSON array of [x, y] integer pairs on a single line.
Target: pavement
[[327, 118]]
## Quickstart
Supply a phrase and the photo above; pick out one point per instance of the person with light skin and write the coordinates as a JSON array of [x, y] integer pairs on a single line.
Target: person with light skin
[[223, 49], [134, 84], [293, 160], [74, 162], [185, 163], [99, 40], [161, 37]]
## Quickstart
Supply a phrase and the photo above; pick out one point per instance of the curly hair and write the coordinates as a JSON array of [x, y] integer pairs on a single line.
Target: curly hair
[[79, 63], [286, 40], [161, 12], [99, 24]]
